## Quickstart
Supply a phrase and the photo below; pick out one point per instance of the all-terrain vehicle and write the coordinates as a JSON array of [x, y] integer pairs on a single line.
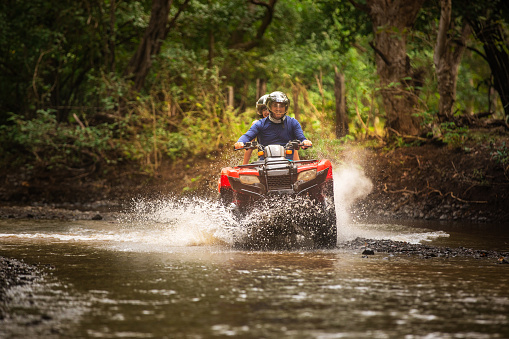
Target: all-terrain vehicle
[[287, 203]]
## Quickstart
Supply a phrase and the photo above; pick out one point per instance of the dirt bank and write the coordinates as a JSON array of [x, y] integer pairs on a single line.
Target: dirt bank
[[436, 182]]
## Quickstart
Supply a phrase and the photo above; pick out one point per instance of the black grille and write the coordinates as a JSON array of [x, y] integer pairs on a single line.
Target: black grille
[[279, 182]]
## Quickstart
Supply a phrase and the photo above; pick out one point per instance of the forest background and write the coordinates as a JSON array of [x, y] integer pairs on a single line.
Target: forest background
[[100, 88]]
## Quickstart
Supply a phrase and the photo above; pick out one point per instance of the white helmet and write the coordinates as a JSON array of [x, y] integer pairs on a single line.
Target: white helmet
[[261, 105], [277, 97]]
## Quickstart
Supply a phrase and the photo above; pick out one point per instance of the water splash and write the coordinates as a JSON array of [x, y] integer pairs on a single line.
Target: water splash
[[180, 222], [350, 184], [146, 225], [286, 223], [280, 223]]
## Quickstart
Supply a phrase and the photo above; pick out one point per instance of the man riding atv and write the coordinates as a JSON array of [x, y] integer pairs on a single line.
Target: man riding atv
[[284, 203], [277, 128]]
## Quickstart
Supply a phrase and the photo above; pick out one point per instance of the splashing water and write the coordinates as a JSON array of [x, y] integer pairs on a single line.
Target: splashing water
[[351, 184], [188, 222], [199, 221], [181, 222], [147, 225]]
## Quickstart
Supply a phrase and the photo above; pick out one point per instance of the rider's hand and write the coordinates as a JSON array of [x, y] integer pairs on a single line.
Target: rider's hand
[[307, 143], [239, 145]]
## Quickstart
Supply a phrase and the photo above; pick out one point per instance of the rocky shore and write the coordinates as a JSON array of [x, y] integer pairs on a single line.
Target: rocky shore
[[369, 247], [14, 273], [101, 210]]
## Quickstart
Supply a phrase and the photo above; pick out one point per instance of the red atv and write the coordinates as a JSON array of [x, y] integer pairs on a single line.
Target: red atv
[[281, 203]]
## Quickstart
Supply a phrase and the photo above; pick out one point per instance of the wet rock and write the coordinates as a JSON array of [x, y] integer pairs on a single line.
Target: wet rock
[[368, 251], [422, 251], [503, 260]]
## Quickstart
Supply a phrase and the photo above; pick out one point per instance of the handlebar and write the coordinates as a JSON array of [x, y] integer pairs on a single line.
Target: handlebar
[[293, 144], [248, 145], [296, 144]]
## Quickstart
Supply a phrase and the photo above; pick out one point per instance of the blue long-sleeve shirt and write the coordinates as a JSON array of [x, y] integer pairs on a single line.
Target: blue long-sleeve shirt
[[269, 133]]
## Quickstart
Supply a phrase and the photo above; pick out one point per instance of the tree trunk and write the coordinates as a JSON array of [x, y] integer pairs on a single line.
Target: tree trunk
[[211, 49], [150, 44], [230, 96], [391, 22], [447, 58], [295, 99], [261, 88], [492, 36], [110, 56], [339, 94]]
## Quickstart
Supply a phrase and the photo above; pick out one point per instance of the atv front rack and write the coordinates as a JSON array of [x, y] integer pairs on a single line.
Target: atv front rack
[[260, 162]]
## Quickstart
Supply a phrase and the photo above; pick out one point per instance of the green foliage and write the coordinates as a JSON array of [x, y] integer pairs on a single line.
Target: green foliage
[[474, 79], [52, 144], [501, 156], [63, 71], [453, 135], [480, 176]]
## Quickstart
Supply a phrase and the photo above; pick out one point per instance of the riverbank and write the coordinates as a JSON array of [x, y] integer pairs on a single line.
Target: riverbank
[[432, 182], [435, 182], [369, 247]]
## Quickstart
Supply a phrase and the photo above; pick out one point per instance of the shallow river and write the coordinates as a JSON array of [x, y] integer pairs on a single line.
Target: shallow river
[[168, 271]]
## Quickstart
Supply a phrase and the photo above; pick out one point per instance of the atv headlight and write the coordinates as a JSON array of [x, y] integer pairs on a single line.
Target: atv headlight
[[307, 175], [249, 179]]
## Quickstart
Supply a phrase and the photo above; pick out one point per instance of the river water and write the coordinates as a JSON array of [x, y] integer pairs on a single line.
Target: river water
[[167, 269]]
